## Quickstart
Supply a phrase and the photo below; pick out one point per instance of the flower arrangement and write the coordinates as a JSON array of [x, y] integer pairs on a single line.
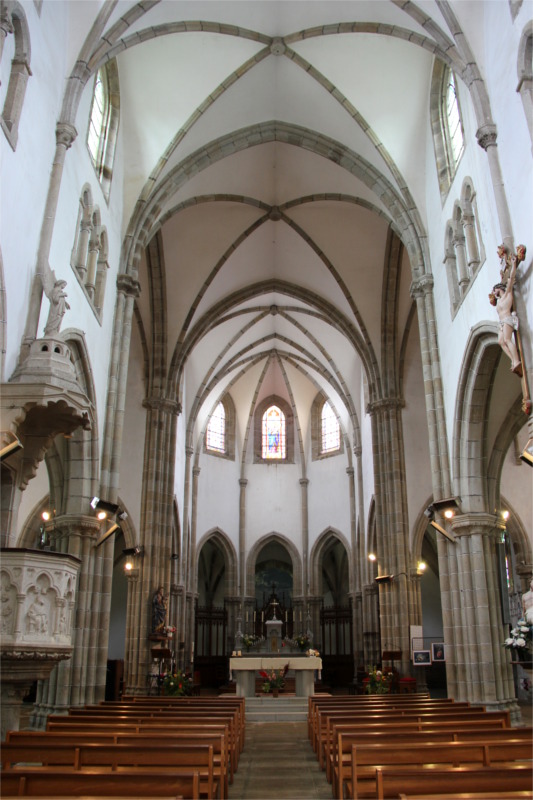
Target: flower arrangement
[[273, 678], [249, 640], [177, 683], [302, 641], [520, 639], [312, 652], [378, 682]]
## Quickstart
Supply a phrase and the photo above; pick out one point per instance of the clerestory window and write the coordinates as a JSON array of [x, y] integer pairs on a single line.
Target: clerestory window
[[330, 429], [216, 430], [103, 124], [446, 123], [274, 443]]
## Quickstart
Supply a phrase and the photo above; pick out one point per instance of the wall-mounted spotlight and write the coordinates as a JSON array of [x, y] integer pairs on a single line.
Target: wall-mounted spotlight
[[11, 447], [447, 508], [384, 578], [104, 505], [138, 550], [372, 557], [113, 529], [527, 454], [421, 567], [174, 557]]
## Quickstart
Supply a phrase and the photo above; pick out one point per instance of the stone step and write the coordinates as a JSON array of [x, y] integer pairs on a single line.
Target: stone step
[[276, 709]]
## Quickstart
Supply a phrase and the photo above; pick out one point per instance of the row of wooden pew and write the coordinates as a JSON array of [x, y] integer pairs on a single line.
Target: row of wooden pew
[[138, 747], [407, 746]]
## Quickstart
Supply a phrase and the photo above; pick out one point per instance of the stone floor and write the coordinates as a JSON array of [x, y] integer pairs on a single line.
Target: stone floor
[[278, 763]]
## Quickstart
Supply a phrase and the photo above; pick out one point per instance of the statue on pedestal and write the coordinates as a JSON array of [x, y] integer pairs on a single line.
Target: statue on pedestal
[[159, 611]]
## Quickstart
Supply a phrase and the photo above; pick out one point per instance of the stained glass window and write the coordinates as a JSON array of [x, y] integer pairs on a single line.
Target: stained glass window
[[453, 117], [216, 430], [273, 434], [330, 430], [95, 139]]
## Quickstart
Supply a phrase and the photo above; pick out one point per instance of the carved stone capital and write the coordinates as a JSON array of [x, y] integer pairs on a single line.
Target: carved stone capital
[[164, 404], [422, 287], [65, 134], [128, 285], [486, 136]]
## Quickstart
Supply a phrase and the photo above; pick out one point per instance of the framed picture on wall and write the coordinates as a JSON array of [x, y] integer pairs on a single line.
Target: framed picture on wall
[[437, 652], [421, 657]]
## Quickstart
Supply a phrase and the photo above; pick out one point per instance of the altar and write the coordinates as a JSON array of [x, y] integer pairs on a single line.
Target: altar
[[245, 668]]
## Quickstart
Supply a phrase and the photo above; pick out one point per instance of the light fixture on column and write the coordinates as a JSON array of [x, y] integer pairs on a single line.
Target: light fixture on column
[[115, 528], [447, 508], [104, 505], [10, 447], [527, 454]]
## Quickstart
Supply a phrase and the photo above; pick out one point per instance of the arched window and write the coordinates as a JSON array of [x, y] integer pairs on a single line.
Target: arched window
[[330, 429], [446, 123], [103, 124], [220, 431], [326, 437], [216, 430], [525, 74], [274, 443], [18, 49]]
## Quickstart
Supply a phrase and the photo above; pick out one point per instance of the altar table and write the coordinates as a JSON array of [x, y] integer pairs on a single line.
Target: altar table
[[245, 668]]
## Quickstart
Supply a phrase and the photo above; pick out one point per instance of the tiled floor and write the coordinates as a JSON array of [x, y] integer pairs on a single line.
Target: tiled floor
[[278, 763]]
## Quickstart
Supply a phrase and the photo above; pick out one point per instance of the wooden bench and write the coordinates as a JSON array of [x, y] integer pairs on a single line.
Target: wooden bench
[[156, 729], [45, 781], [390, 782], [339, 768], [48, 739], [117, 756], [326, 722], [366, 758], [502, 795]]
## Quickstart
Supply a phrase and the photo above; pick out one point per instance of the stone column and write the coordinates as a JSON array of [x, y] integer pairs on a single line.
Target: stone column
[[486, 136], [477, 665], [460, 254], [422, 292], [92, 264], [304, 483], [450, 265], [194, 572], [469, 224], [83, 243], [65, 135], [243, 483]]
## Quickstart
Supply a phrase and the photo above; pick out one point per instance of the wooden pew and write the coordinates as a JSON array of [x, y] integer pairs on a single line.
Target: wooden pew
[[326, 721], [116, 757], [231, 716], [366, 758], [56, 783], [41, 740], [340, 766], [502, 795], [75, 727], [390, 782]]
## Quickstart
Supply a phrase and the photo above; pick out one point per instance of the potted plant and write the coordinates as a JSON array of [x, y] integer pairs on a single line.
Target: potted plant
[[378, 682], [274, 679], [519, 643], [177, 683]]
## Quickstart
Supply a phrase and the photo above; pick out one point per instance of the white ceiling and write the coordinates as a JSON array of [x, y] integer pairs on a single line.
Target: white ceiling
[[294, 296]]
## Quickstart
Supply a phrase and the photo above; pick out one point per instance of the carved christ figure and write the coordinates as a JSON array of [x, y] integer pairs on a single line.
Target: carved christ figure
[[502, 297]]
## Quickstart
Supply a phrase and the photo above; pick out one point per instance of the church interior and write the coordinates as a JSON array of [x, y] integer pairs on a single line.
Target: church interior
[[265, 347]]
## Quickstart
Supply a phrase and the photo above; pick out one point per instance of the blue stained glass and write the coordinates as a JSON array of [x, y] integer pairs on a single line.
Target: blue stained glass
[[273, 434]]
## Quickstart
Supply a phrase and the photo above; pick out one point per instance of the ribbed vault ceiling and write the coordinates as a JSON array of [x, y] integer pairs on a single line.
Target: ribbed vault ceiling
[[275, 155]]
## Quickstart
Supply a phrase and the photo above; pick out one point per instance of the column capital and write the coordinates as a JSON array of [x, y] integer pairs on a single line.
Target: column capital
[[385, 404], [473, 523], [304, 482], [196, 471], [357, 450], [65, 134], [350, 470], [162, 404], [243, 482], [486, 136], [421, 287], [128, 285]]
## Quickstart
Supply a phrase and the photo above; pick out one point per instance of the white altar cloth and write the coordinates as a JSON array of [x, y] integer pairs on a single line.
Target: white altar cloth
[[245, 668]]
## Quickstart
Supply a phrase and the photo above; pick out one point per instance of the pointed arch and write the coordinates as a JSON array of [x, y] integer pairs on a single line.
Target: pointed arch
[[278, 538], [219, 538], [316, 558]]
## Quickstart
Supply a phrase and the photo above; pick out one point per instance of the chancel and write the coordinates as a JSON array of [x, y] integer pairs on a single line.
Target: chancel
[[266, 348]]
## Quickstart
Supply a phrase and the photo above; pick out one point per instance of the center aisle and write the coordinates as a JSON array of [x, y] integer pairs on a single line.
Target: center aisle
[[278, 763]]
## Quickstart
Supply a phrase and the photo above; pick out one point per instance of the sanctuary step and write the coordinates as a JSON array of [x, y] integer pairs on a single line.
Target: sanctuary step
[[276, 709]]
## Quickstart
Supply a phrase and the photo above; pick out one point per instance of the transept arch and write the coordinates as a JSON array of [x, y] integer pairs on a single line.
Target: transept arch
[[255, 550], [222, 541], [316, 559]]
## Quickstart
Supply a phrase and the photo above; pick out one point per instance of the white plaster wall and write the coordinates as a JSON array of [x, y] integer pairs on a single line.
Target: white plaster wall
[[273, 502], [329, 497], [218, 497], [25, 172]]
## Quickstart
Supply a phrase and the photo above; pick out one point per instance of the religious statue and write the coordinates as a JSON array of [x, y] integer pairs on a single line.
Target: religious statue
[[502, 297], [159, 611], [527, 604], [58, 306]]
